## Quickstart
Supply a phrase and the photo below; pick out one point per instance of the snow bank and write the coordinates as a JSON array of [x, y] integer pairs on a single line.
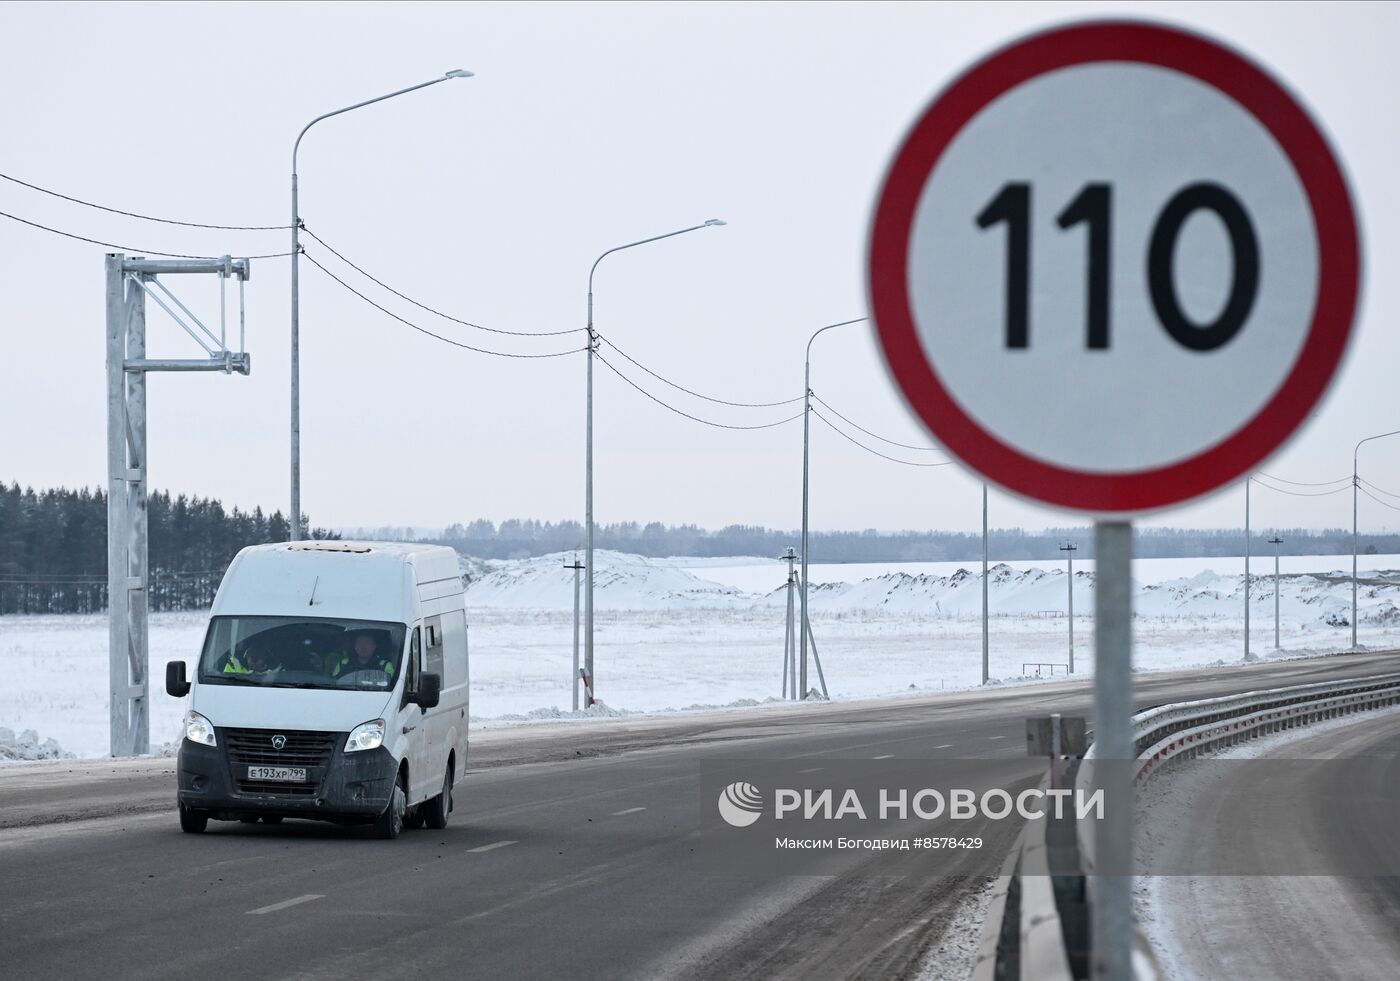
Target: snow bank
[[26, 746], [633, 582], [620, 582]]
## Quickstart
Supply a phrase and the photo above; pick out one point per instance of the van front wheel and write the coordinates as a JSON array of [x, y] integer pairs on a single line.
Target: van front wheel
[[435, 811], [390, 823], [192, 821]]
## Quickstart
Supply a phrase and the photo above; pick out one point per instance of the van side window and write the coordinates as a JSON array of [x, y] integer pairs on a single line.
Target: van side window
[[433, 625], [415, 662]]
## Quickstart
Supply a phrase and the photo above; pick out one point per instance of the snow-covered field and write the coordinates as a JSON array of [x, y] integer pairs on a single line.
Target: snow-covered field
[[679, 633]]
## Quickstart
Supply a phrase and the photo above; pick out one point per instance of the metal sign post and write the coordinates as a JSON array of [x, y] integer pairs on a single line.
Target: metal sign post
[[1152, 214], [129, 282], [1276, 541], [791, 672], [1111, 915], [1069, 549], [575, 680]]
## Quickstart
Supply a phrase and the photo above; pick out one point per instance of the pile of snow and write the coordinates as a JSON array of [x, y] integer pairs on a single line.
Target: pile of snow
[[633, 582], [26, 746], [620, 582]]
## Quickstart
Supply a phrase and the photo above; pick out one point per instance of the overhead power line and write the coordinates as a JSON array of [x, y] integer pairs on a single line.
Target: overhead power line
[[437, 313], [423, 330], [129, 249], [1303, 483], [135, 214], [1384, 504], [883, 439], [682, 412], [1377, 489], [1293, 493], [871, 449], [708, 398]]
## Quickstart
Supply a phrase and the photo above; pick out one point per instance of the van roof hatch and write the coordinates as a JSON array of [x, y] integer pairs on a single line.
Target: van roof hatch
[[329, 546]]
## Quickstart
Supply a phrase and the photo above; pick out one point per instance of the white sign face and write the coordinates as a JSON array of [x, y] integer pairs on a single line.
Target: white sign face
[[1113, 267]]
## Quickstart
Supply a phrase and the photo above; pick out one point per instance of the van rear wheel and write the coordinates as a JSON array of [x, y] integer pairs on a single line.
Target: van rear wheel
[[192, 821], [435, 811], [390, 824]]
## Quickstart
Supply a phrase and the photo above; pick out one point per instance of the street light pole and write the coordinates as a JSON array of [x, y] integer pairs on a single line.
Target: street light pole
[[986, 664], [295, 517], [1069, 550], [806, 468], [1247, 482], [1276, 541], [588, 448], [1355, 486]]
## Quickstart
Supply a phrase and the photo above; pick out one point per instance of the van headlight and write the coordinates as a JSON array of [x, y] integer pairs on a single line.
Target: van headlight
[[366, 735], [198, 729]]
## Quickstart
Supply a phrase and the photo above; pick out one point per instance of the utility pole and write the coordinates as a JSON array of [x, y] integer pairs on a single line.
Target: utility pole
[[130, 280], [574, 678], [1069, 550], [588, 451], [1275, 542], [986, 674], [1247, 481], [790, 636], [806, 482]]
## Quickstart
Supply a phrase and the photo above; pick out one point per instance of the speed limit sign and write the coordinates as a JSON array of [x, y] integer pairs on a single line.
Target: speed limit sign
[[1113, 266]]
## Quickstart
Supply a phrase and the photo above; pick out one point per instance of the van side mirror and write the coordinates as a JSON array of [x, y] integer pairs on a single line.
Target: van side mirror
[[429, 691], [176, 685]]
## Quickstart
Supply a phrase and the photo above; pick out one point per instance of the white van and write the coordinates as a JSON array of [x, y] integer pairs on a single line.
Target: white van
[[332, 685]]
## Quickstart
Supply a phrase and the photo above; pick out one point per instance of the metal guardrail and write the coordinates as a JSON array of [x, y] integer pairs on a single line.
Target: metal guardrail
[[1180, 730], [1023, 935]]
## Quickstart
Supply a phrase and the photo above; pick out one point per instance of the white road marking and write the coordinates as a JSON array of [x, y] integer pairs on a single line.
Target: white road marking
[[282, 905], [810, 769], [630, 810], [996, 737], [494, 845], [944, 746], [886, 756]]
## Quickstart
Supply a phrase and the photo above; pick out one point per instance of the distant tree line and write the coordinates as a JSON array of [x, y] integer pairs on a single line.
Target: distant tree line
[[53, 548], [523, 538]]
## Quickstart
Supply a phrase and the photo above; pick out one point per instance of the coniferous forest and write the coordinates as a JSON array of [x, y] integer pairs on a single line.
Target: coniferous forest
[[53, 548]]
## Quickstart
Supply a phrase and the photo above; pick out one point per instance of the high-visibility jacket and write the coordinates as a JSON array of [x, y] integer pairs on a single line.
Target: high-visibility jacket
[[343, 663], [235, 666]]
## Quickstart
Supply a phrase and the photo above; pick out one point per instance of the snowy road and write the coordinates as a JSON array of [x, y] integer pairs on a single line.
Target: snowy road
[[572, 854], [1286, 927]]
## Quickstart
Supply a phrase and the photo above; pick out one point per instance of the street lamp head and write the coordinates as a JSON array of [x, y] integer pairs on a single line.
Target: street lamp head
[[459, 73], [716, 222]]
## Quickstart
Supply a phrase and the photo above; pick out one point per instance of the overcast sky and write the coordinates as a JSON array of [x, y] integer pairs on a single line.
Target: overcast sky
[[587, 126]]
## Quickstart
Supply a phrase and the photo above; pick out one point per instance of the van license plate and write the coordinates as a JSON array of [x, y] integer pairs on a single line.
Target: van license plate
[[288, 774]]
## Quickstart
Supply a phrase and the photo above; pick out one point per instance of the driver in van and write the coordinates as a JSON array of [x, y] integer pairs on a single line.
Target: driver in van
[[254, 661], [365, 655]]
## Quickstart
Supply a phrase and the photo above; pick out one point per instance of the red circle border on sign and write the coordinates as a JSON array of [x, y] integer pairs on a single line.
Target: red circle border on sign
[[1334, 219]]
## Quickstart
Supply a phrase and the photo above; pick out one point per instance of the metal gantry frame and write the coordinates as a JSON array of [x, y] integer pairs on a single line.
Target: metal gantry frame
[[130, 280]]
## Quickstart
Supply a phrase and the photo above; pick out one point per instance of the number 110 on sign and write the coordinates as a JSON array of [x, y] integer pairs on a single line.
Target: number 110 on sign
[[1093, 208]]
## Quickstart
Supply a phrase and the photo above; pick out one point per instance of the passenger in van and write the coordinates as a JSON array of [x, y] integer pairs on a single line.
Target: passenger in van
[[253, 661], [364, 657]]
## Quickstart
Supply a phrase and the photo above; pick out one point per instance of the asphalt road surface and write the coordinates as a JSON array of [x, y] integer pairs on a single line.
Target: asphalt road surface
[[1296, 927], [572, 853]]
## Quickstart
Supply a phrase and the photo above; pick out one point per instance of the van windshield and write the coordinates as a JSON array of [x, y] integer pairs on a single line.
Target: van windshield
[[293, 652]]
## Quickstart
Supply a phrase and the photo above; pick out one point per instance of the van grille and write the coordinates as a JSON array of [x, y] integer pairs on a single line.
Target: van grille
[[253, 747], [265, 788]]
